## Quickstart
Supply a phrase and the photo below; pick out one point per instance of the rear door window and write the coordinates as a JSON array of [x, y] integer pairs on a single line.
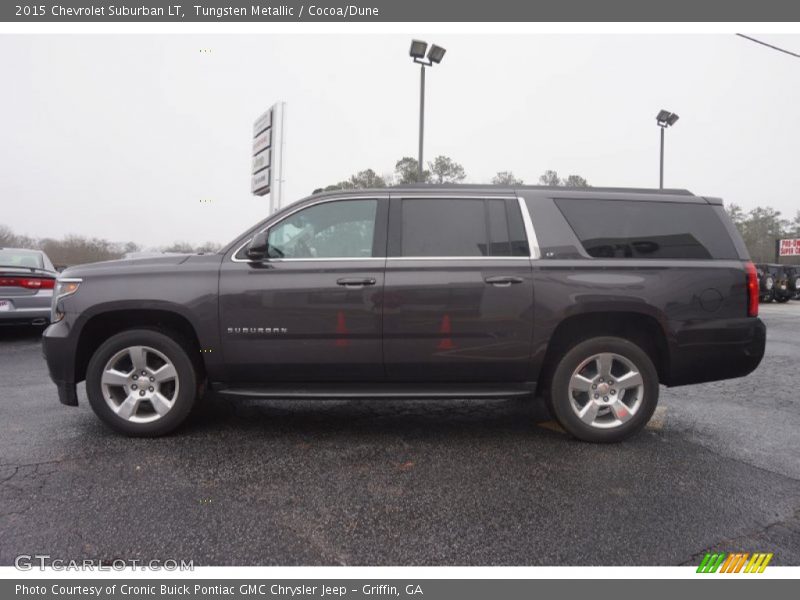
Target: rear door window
[[443, 228], [460, 227], [646, 229]]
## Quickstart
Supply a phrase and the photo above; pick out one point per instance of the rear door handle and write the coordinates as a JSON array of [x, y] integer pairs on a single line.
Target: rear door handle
[[356, 281], [503, 280]]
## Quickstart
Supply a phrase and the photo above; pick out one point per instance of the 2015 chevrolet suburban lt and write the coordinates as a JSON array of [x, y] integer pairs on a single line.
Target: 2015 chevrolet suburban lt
[[589, 299]]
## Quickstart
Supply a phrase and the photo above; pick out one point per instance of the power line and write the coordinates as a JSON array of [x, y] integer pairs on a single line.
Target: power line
[[789, 52]]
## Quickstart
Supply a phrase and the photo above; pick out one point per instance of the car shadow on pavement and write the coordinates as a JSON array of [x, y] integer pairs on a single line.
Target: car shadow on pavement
[[10, 333], [369, 417]]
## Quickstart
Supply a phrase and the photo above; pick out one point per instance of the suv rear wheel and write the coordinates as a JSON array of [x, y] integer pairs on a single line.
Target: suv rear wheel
[[604, 389], [141, 383]]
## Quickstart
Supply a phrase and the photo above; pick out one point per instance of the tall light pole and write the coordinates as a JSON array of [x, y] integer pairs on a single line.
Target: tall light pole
[[435, 55], [664, 119]]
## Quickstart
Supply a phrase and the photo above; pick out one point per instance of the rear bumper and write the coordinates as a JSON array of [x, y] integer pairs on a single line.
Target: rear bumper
[[59, 353], [25, 309], [717, 350], [25, 316]]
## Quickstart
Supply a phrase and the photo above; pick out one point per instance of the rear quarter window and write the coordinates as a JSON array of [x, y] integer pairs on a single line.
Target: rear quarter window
[[646, 229]]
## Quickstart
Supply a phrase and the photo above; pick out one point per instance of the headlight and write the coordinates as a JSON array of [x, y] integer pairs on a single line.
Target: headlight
[[64, 288]]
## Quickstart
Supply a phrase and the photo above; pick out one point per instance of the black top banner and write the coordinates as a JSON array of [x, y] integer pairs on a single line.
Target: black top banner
[[403, 10]]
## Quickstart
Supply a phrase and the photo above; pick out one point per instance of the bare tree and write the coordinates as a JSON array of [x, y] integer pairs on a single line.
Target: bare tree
[[405, 171], [550, 178], [209, 247], [361, 180], [180, 248], [506, 178], [575, 181], [445, 170]]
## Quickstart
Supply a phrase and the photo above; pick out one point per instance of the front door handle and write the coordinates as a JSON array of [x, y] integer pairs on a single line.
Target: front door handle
[[356, 281], [503, 280]]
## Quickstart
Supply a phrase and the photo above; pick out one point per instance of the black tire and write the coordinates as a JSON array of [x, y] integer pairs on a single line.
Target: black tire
[[782, 299], [185, 396], [559, 399]]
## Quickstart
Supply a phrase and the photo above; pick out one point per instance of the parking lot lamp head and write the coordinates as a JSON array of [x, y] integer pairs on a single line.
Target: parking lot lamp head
[[436, 54], [418, 48], [664, 118]]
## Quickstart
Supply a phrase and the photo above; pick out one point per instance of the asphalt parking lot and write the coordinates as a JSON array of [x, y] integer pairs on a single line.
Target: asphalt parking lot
[[406, 483]]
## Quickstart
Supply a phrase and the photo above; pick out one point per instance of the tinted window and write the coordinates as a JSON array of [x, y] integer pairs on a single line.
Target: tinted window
[[341, 229], [498, 228], [443, 228], [625, 229]]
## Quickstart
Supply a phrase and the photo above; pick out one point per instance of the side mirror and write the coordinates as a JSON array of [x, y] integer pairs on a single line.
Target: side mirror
[[257, 249]]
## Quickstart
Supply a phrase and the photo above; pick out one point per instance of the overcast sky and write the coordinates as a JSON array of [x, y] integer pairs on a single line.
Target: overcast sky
[[121, 137]]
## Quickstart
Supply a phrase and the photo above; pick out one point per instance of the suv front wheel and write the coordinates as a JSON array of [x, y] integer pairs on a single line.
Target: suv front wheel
[[141, 383], [604, 389]]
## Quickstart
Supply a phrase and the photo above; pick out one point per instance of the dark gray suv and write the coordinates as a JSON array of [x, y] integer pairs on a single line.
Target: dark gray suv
[[588, 299]]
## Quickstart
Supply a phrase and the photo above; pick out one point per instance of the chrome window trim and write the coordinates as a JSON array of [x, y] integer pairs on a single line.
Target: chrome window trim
[[347, 258], [458, 258], [465, 196], [530, 232], [303, 207]]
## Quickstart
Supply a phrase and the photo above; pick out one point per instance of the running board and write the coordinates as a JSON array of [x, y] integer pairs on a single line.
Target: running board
[[377, 391]]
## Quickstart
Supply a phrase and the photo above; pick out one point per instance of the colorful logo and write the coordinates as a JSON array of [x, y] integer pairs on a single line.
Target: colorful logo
[[734, 563]]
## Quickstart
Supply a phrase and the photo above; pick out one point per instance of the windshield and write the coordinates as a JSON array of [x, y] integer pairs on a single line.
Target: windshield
[[21, 258]]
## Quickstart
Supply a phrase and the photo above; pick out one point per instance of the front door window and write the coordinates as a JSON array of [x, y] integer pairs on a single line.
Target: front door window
[[341, 229]]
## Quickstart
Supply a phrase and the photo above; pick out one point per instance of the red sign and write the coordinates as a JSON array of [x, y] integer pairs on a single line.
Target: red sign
[[790, 248]]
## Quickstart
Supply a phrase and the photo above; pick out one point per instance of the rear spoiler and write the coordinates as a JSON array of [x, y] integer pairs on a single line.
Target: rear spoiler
[[31, 269], [712, 200]]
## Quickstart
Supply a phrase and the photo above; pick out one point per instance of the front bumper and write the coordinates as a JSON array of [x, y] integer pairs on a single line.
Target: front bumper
[[58, 350]]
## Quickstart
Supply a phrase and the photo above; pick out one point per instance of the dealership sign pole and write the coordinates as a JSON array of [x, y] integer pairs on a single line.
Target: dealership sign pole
[[268, 155]]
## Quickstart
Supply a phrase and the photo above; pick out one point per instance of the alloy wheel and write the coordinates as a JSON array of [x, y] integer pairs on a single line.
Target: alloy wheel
[[140, 384], [606, 390]]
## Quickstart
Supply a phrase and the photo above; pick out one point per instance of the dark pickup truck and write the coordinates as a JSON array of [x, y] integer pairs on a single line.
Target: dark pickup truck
[[588, 299]]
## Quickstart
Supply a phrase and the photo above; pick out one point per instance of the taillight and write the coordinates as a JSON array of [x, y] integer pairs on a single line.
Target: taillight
[[752, 289], [30, 283]]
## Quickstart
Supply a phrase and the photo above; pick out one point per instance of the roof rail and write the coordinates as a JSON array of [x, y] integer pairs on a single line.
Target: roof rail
[[484, 186], [456, 187]]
